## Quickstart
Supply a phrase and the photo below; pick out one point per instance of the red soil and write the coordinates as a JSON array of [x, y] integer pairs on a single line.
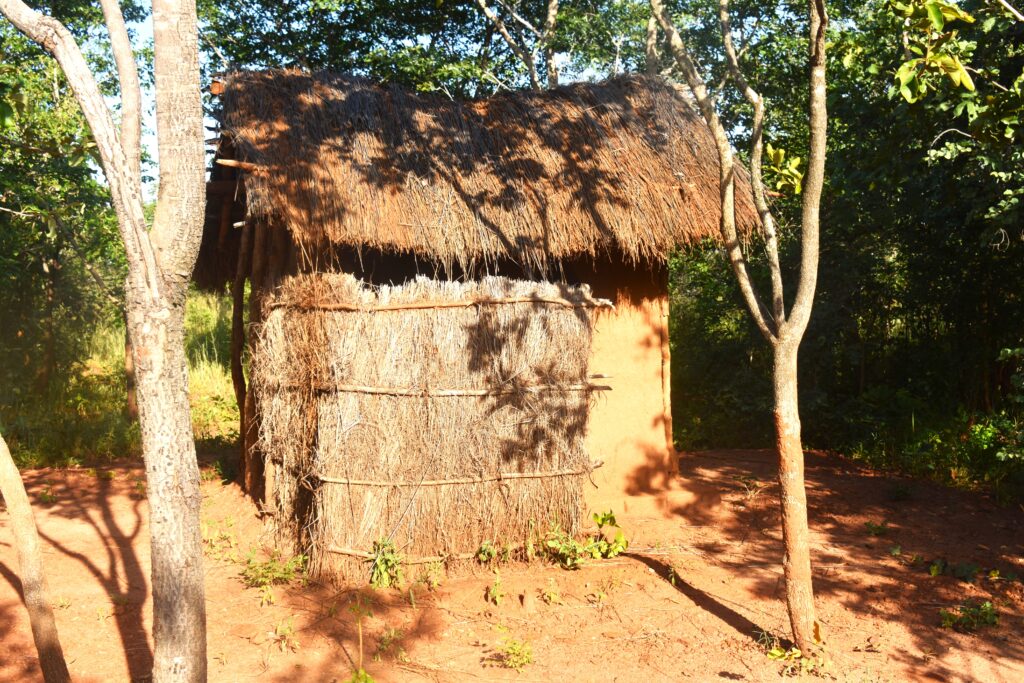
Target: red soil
[[683, 604]]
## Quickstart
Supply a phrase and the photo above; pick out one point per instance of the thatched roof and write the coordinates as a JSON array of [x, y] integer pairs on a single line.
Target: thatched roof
[[624, 166]]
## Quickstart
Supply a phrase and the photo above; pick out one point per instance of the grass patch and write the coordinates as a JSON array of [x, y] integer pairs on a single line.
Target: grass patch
[[970, 616], [82, 419]]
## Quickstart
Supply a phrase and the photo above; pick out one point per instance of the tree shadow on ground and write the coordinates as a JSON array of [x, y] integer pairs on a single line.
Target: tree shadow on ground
[[122, 575], [874, 539]]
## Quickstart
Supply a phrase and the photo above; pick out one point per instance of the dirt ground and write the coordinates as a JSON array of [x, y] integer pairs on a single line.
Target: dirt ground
[[690, 601]]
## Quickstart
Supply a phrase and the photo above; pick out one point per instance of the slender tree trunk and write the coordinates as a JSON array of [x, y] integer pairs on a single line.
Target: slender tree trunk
[[653, 59], [30, 566], [796, 561], [549, 51], [782, 333], [160, 262], [172, 476]]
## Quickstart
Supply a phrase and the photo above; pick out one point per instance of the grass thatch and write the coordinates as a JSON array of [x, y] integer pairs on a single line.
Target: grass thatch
[[624, 167], [359, 457]]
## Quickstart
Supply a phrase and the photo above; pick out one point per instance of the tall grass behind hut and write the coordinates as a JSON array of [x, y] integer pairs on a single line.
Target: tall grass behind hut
[[383, 421]]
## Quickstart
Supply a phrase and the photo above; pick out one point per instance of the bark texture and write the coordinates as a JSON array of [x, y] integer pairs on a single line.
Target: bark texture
[[796, 562], [30, 570], [160, 262], [783, 332]]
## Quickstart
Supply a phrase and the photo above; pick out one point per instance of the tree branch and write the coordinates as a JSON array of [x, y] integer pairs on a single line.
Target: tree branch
[[525, 57], [653, 63], [1012, 10], [128, 78], [706, 103], [518, 17], [756, 175], [814, 179], [179, 133]]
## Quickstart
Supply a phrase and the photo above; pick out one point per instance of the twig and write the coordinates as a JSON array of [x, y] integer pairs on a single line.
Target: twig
[[1012, 10], [950, 130]]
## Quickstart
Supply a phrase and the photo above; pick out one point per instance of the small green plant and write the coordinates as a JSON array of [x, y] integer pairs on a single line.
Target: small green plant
[[284, 635], [273, 571], [751, 487], [431, 575], [46, 496], [767, 640], [360, 610], [389, 644], [969, 616], [513, 653], [896, 551], [486, 552], [600, 546], [550, 595], [219, 541], [793, 661], [564, 549], [964, 571], [877, 529], [570, 553], [386, 565], [62, 603], [494, 593]]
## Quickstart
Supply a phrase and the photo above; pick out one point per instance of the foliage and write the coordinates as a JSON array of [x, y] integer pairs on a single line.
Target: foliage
[[386, 565], [82, 417], [283, 635], [272, 572], [903, 364], [495, 593], [550, 595], [431, 575], [969, 616], [877, 529], [602, 547], [570, 553], [486, 552], [219, 540], [389, 644], [360, 610], [964, 571], [931, 49], [513, 653]]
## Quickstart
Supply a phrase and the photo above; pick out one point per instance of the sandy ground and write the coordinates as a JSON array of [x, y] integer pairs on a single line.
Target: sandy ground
[[702, 580]]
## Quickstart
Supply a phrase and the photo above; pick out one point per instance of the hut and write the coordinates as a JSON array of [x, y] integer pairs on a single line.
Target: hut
[[456, 326]]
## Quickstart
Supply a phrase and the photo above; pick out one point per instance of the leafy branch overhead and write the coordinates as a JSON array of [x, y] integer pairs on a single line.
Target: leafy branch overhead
[[930, 49]]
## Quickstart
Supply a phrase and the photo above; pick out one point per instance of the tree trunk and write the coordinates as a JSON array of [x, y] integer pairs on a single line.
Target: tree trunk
[[796, 561], [131, 406], [30, 566], [172, 475], [653, 60]]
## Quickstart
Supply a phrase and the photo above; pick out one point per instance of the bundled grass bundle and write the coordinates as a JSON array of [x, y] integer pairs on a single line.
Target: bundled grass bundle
[[436, 415]]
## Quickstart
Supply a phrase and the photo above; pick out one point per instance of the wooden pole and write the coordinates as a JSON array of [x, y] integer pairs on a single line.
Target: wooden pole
[[419, 305]]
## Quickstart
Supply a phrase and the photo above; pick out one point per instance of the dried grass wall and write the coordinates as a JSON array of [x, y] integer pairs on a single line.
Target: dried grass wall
[[434, 414]]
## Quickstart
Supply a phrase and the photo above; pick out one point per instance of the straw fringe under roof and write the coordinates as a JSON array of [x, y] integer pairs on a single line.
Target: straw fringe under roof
[[623, 166]]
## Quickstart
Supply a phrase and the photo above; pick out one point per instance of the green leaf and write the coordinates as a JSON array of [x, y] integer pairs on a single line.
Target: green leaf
[[6, 115], [936, 15]]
